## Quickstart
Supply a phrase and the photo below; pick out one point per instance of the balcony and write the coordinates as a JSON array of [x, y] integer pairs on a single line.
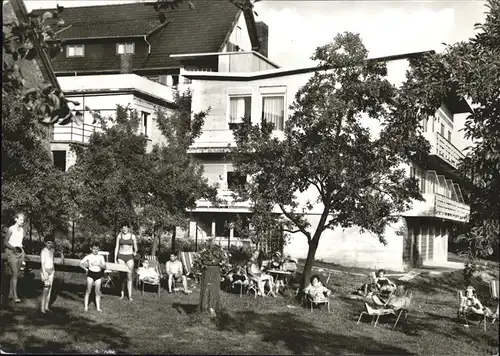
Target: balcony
[[73, 133], [440, 206], [213, 141], [444, 149], [228, 204]]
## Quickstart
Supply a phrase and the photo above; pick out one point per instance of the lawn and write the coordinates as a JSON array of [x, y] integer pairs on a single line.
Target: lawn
[[247, 325]]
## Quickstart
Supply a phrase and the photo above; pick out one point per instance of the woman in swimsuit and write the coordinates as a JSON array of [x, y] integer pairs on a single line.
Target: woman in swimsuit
[[125, 250], [14, 253], [94, 265]]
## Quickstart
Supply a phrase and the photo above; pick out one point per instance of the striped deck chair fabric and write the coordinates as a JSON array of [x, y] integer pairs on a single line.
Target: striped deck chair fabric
[[187, 259]]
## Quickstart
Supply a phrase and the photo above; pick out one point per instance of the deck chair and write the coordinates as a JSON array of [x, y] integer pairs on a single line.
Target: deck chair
[[494, 296], [187, 259], [107, 280], [463, 311], [153, 262], [375, 313]]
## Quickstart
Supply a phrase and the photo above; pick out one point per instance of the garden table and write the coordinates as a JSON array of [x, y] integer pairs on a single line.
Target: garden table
[[281, 276]]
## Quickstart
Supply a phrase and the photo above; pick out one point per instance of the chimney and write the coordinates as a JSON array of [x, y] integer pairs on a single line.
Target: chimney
[[263, 35], [126, 63]]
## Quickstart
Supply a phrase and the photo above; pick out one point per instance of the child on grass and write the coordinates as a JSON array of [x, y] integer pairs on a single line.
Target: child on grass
[[47, 272], [94, 266]]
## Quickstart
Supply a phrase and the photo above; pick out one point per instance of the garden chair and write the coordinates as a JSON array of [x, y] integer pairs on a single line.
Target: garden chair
[[311, 302], [494, 296], [463, 311], [107, 280], [187, 259], [153, 262], [375, 313]]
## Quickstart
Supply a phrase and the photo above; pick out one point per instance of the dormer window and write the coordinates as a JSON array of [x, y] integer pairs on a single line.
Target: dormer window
[[75, 50], [125, 48]]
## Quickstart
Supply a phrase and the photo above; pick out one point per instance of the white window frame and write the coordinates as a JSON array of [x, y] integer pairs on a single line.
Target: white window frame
[[82, 46], [125, 44], [273, 95], [237, 96], [146, 128]]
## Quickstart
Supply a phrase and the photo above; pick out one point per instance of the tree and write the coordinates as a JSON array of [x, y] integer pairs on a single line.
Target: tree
[[110, 172], [176, 179], [471, 69], [30, 182], [328, 161]]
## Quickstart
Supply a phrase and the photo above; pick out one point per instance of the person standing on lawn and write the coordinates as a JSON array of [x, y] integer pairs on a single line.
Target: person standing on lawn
[[125, 251], [94, 266], [14, 253], [47, 272]]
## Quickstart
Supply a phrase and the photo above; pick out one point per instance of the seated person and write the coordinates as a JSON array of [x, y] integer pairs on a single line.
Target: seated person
[[255, 273], [276, 261], [237, 273], [470, 303], [316, 290], [148, 274], [175, 272], [384, 284], [370, 288]]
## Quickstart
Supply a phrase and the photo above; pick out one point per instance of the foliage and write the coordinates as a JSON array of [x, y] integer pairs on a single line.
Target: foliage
[[161, 5], [110, 173], [471, 69], [212, 255], [30, 183], [175, 179], [24, 40], [328, 162]]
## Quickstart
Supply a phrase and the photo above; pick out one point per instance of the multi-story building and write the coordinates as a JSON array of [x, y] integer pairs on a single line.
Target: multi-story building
[[422, 233], [125, 54]]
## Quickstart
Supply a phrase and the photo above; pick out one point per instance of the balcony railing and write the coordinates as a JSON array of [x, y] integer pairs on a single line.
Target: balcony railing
[[213, 139], [439, 206], [444, 149], [228, 201], [447, 208], [73, 133]]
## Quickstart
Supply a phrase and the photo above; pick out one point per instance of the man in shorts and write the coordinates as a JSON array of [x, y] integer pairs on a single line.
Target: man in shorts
[[174, 272]]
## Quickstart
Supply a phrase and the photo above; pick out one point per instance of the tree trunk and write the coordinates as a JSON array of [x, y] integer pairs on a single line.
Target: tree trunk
[[311, 253], [174, 231], [155, 244], [209, 290]]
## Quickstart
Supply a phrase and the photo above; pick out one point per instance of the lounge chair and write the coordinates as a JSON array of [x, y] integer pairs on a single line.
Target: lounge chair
[[154, 263], [187, 259], [375, 313], [494, 297], [396, 305]]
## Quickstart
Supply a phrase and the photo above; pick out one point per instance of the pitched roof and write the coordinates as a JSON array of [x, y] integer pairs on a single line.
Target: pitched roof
[[203, 29]]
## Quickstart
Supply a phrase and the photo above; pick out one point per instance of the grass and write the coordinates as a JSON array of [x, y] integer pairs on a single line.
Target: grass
[[169, 324]]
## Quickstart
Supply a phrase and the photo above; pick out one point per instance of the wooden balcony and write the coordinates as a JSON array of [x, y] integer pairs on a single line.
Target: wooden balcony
[[444, 149], [440, 206], [229, 204], [73, 133], [213, 141]]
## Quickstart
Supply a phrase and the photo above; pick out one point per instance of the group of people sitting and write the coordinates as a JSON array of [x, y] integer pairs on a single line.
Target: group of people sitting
[[174, 269], [379, 288], [257, 272]]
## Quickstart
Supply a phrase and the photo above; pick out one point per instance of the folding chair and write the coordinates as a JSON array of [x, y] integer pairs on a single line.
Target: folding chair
[[312, 302], [494, 296], [187, 259], [153, 262], [375, 313], [108, 274]]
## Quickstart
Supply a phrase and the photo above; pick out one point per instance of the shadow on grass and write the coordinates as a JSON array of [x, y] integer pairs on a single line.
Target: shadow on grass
[[301, 337], [63, 332]]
